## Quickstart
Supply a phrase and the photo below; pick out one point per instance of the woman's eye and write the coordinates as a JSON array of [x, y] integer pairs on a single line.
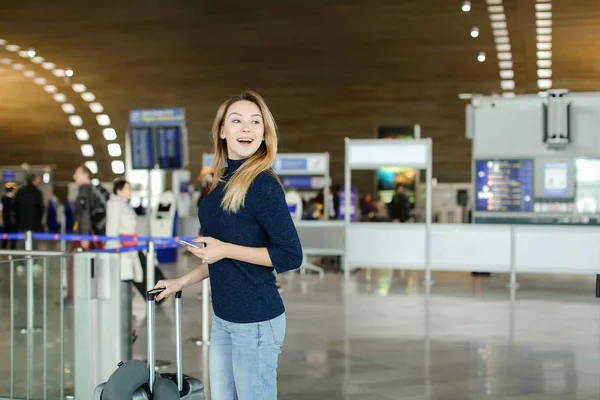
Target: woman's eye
[[235, 121], [256, 122]]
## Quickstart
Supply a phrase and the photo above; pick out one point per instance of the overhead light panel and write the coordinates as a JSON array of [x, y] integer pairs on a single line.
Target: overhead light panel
[[29, 74], [543, 23], [544, 83], [543, 31], [58, 72], [544, 63], [475, 32], [505, 64], [501, 39], [88, 96], [466, 7], [37, 60], [40, 81], [48, 66], [59, 97], [69, 72], [68, 108], [507, 84], [544, 46], [93, 166], [465, 96], [103, 120], [507, 74], [109, 134], [500, 32], [544, 55], [504, 56], [50, 89], [499, 25], [75, 120], [495, 9], [82, 134], [503, 47], [96, 107], [498, 17], [18, 67], [118, 167], [544, 38], [544, 73], [6, 61], [543, 7], [481, 57], [13, 48], [23, 54], [79, 87], [95, 181], [114, 149], [87, 150]]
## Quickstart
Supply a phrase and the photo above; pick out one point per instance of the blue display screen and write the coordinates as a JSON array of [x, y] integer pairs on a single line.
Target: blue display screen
[[504, 185], [169, 148], [142, 148]]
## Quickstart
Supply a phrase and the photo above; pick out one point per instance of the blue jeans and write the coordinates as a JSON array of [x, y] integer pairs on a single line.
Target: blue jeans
[[243, 359]]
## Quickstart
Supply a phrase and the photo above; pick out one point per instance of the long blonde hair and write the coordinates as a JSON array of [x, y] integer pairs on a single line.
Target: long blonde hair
[[261, 161]]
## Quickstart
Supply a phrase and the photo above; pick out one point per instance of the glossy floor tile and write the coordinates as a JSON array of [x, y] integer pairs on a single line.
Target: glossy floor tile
[[388, 337]]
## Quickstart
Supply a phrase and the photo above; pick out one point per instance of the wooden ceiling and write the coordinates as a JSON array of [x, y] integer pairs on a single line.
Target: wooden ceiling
[[329, 69]]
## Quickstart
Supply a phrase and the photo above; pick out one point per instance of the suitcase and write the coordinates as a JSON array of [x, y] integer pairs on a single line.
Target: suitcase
[[189, 388]]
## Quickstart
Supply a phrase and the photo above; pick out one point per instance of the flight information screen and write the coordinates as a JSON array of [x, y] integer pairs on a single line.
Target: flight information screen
[[504, 185]]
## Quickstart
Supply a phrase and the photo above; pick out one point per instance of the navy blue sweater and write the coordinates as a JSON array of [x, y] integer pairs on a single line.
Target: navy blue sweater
[[244, 292]]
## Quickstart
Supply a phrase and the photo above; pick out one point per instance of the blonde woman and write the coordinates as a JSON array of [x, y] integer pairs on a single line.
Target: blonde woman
[[248, 232]]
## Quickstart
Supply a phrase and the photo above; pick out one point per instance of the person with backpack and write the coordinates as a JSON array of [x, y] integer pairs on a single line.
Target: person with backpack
[[90, 217]]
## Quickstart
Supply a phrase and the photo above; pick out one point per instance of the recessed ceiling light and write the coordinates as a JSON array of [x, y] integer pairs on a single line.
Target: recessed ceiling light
[[93, 166]]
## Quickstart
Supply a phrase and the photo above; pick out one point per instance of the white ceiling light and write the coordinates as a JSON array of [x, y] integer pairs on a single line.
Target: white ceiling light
[[46, 177], [507, 74], [500, 32], [82, 134], [96, 107], [544, 46], [475, 32], [109, 133], [50, 89], [543, 7], [48, 66], [93, 166], [499, 25], [2, 42], [37, 60], [544, 73], [495, 9], [543, 23], [87, 150], [505, 56], [501, 39], [490, 2], [12, 47], [18, 67], [544, 63], [59, 97], [118, 167], [103, 120], [466, 7], [95, 181], [544, 54], [503, 47], [88, 96], [23, 54], [543, 15], [465, 96], [508, 94], [114, 149], [6, 61], [505, 64], [79, 87], [59, 72], [544, 83], [40, 81], [75, 120], [68, 108], [69, 72], [507, 84], [543, 31], [544, 38], [497, 17], [543, 94], [481, 57], [29, 74], [31, 52]]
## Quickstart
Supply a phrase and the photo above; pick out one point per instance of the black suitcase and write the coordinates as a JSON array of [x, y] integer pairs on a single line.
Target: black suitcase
[[189, 388]]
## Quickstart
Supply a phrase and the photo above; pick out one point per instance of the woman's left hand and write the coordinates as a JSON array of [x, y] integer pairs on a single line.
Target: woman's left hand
[[214, 249]]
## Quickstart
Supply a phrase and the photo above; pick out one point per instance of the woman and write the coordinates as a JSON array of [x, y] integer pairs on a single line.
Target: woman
[[122, 220], [248, 233]]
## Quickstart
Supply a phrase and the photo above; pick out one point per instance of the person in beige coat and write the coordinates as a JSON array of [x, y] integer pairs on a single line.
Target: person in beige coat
[[122, 220]]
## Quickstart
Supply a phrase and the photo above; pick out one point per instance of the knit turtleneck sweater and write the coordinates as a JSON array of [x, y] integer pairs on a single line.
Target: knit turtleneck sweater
[[244, 292]]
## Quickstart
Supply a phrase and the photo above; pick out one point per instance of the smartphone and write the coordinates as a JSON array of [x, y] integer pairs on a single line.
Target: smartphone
[[183, 242]]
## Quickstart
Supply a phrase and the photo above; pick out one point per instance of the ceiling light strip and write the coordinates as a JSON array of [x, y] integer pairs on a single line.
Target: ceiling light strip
[[543, 23], [503, 48]]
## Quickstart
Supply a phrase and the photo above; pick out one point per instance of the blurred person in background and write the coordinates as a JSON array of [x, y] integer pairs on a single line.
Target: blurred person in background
[[8, 215], [29, 206]]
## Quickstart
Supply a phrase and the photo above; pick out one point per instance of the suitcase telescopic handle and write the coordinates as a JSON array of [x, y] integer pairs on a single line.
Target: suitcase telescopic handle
[[150, 296]]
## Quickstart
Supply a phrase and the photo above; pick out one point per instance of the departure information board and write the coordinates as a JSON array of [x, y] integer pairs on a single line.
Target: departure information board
[[504, 185]]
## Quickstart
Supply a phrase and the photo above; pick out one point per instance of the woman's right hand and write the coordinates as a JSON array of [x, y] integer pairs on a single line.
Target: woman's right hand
[[172, 286]]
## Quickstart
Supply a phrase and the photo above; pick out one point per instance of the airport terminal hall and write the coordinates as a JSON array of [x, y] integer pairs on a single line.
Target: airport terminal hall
[[300, 200]]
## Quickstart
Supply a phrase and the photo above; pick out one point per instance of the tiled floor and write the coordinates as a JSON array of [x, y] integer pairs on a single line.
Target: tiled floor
[[388, 338]]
